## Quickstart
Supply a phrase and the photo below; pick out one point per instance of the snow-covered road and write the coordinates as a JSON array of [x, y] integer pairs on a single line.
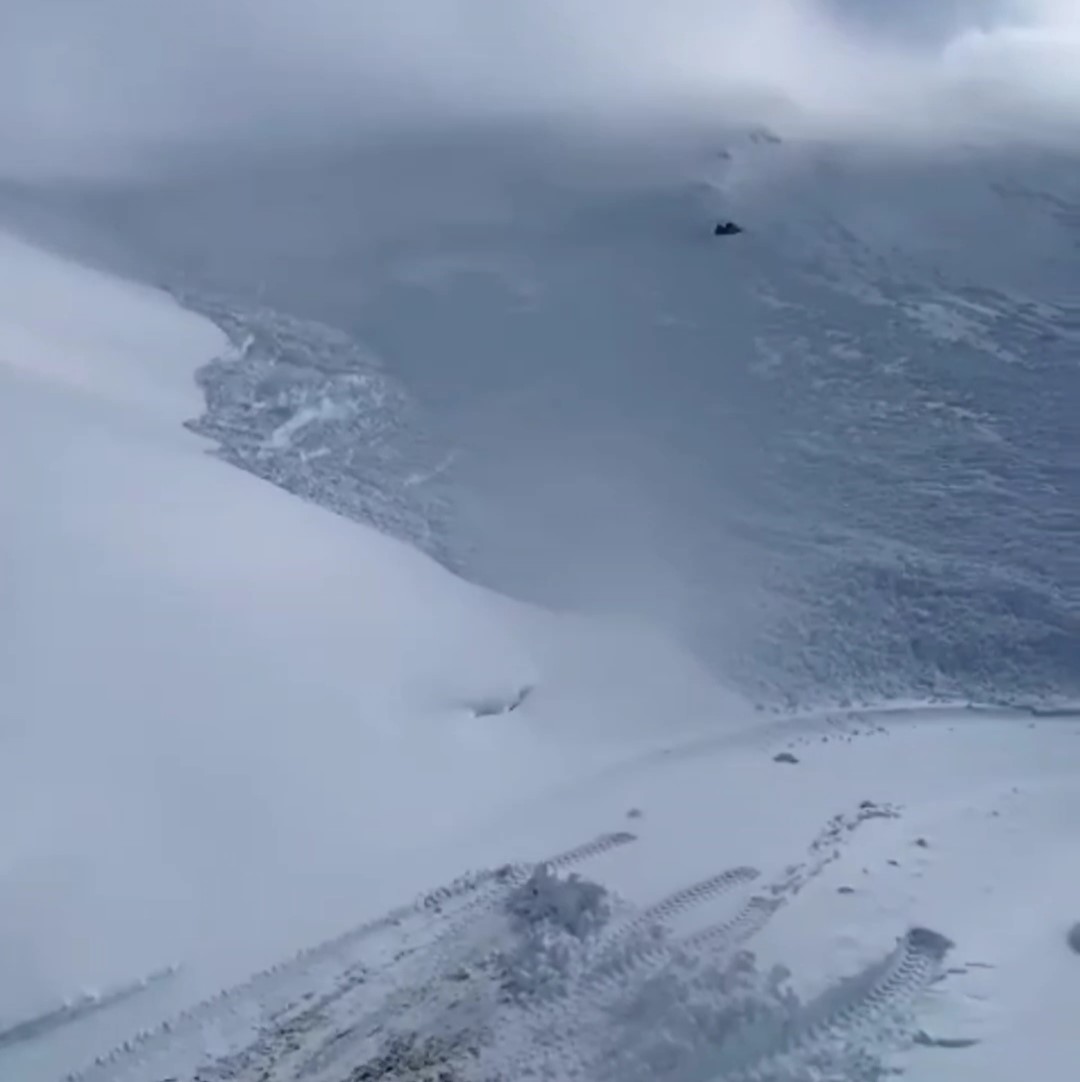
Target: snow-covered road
[[846, 894]]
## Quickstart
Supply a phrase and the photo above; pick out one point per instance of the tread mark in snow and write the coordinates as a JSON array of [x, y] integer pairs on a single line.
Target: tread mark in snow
[[726, 935], [864, 1000], [468, 883], [719, 939], [632, 954], [581, 1005], [860, 1006], [491, 884], [616, 960], [695, 894], [82, 1007], [488, 889]]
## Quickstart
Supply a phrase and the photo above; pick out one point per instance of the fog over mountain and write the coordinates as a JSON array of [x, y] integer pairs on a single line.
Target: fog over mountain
[[129, 84]]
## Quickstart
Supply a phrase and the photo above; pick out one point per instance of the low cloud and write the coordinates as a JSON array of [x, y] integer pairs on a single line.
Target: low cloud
[[121, 84]]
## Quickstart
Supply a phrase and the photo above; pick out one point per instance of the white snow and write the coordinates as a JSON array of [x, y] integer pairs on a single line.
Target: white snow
[[232, 721], [87, 334], [233, 724], [991, 796]]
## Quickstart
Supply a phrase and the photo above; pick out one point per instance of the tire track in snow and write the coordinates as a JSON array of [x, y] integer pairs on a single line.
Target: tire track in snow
[[351, 973], [632, 951], [727, 935], [435, 994], [82, 1007], [768, 734], [448, 947], [855, 1010], [681, 900], [639, 951]]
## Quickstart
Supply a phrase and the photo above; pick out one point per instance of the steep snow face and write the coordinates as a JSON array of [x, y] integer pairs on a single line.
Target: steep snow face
[[836, 454], [229, 715]]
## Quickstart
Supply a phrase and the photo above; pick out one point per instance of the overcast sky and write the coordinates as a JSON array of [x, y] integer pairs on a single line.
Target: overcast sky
[[92, 84]]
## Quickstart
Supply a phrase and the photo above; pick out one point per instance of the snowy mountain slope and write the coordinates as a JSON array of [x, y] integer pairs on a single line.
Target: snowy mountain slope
[[857, 414], [216, 694], [235, 724]]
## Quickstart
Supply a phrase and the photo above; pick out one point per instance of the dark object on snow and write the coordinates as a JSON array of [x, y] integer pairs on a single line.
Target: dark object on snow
[[1073, 938], [726, 229], [489, 708], [784, 757], [924, 1038]]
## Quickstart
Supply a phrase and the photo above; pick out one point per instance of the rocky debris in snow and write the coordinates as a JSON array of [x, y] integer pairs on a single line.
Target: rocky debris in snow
[[922, 843], [785, 757], [1073, 937]]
